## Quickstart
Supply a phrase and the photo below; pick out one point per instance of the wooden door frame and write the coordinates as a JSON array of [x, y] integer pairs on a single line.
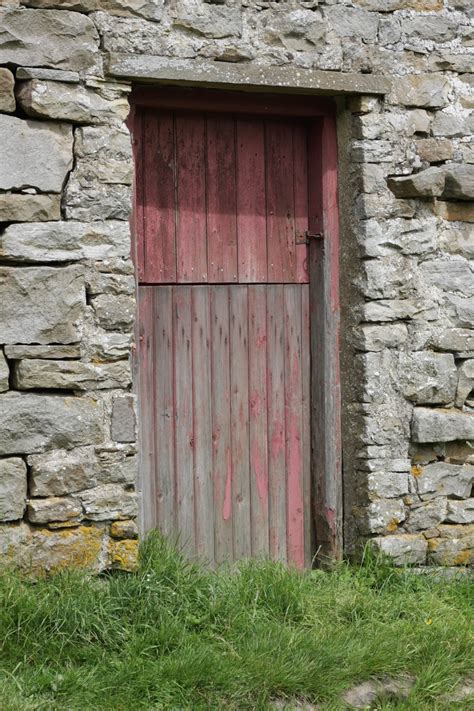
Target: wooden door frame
[[323, 235]]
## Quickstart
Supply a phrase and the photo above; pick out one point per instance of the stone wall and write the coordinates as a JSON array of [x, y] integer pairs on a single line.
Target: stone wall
[[67, 427]]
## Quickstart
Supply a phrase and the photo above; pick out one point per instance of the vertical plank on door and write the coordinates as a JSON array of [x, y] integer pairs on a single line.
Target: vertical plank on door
[[251, 221], [191, 199], [306, 405], [238, 305], [164, 419], [159, 198], [257, 323], [221, 201], [280, 202], [294, 425], [276, 422], [184, 434], [138, 219], [202, 427], [146, 395], [300, 187], [221, 431]]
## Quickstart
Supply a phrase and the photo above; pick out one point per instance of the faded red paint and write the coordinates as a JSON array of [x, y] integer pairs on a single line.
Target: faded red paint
[[227, 510]]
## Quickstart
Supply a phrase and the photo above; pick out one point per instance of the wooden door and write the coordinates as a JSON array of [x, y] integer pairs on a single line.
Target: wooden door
[[224, 332]]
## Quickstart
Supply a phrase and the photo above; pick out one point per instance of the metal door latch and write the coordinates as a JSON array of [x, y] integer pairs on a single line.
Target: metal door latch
[[308, 237]]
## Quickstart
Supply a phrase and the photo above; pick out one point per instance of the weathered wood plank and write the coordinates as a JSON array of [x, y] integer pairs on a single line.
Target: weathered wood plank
[[306, 441], [276, 422], [257, 324], [300, 187], [251, 221], [191, 243], [184, 436], [202, 423], [281, 252], [294, 426], [239, 421], [221, 426], [221, 201]]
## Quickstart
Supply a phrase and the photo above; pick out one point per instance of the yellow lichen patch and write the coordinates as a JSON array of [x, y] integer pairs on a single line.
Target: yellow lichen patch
[[124, 554], [124, 529], [392, 525], [417, 470], [462, 558], [74, 548], [433, 543]]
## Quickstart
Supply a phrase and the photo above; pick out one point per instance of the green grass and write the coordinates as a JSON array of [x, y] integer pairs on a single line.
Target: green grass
[[174, 636]]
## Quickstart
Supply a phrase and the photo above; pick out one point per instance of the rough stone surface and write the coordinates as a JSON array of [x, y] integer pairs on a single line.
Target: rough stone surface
[[408, 549], [63, 472], [442, 479], [53, 509], [47, 74], [465, 382], [65, 241], [427, 378], [441, 425], [48, 38], [434, 150], [123, 419], [50, 352], [460, 511], [42, 305], [371, 693], [4, 373], [149, 9], [427, 515], [7, 96], [12, 488], [71, 102], [124, 529], [34, 154], [70, 375], [19, 207], [455, 546], [35, 423], [108, 502], [421, 90], [114, 312]]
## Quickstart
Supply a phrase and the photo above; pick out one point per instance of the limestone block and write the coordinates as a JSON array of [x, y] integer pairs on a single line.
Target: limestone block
[[465, 382], [104, 345], [13, 484], [52, 352], [390, 31], [391, 5], [137, 36], [299, 30], [431, 425], [40, 551], [352, 22], [208, 20], [426, 184], [389, 310], [387, 485], [64, 472], [54, 509], [108, 502], [423, 90], [408, 549], [377, 338], [7, 95], [455, 211], [370, 151], [20, 207], [48, 38], [454, 547], [442, 479], [102, 283], [70, 102], [32, 423], [149, 9], [458, 239], [434, 150], [454, 339], [124, 529], [114, 312], [385, 278], [41, 305], [463, 309], [70, 375], [430, 27], [427, 515], [406, 236], [34, 154], [123, 554], [65, 241], [461, 511], [103, 154], [427, 378], [450, 275], [467, 152], [459, 182], [4, 373], [382, 516], [123, 419], [47, 74], [96, 201], [447, 123]]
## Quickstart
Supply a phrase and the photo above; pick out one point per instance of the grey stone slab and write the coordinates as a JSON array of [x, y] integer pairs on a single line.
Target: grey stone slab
[[47, 74], [427, 378], [460, 511], [123, 419], [422, 90], [430, 425], [48, 38], [7, 95], [4, 373], [70, 375], [13, 485], [52, 352], [248, 76], [404, 549], [65, 241], [108, 502], [31, 422], [21, 207], [41, 305], [149, 9], [34, 154], [54, 509]]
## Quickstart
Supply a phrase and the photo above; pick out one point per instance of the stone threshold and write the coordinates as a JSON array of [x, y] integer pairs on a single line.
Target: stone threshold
[[247, 77]]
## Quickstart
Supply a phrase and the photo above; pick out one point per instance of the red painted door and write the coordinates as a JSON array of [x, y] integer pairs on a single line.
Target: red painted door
[[224, 333]]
